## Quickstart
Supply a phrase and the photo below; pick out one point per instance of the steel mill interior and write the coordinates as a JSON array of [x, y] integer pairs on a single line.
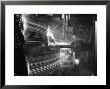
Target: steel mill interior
[[56, 44]]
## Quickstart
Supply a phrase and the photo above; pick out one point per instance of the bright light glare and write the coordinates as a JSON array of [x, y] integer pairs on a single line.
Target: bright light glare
[[51, 35], [76, 61], [24, 20]]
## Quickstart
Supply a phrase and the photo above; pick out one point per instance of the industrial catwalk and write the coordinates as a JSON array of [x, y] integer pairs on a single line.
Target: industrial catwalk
[[55, 45]]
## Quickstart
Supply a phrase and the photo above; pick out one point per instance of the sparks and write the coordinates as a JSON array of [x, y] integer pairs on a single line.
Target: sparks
[[50, 37]]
